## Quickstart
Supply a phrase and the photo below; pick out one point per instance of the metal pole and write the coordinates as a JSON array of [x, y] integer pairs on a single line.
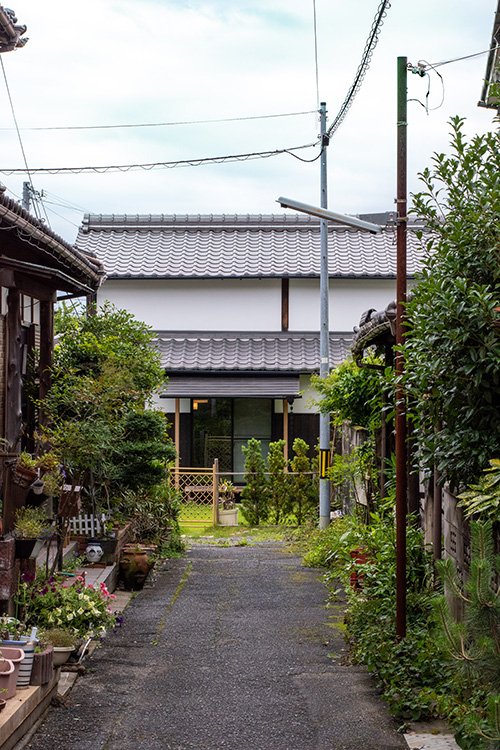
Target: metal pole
[[400, 418], [324, 333]]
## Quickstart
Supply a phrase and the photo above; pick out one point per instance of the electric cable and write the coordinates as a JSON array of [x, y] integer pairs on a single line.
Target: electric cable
[[167, 124], [26, 170], [363, 67], [164, 165]]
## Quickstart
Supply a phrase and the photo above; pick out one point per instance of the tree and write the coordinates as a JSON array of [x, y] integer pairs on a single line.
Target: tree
[[452, 347], [105, 373], [279, 494], [255, 493], [304, 499]]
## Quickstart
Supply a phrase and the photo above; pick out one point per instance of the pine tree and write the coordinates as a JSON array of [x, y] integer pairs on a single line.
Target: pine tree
[[473, 644], [255, 494], [279, 494]]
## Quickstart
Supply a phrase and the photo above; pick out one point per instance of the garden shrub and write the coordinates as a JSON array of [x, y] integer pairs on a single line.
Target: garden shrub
[[255, 494], [279, 488], [304, 499]]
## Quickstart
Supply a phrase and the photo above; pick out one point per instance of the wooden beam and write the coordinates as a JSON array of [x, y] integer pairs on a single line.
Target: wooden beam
[[177, 430], [27, 284], [13, 409], [46, 353], [285, 304]]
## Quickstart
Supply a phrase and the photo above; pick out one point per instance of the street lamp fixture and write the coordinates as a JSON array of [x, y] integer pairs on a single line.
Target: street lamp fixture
[[323, 213]]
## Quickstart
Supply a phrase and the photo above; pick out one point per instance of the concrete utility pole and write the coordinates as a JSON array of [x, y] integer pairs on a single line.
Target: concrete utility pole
[[324, 331]]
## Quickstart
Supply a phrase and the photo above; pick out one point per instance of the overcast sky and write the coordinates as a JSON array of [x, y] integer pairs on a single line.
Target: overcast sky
[[111, 62]]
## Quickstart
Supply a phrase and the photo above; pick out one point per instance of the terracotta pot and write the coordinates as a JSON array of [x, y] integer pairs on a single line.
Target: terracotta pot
[[15, 656], [7, 678], [43, 667], [134, 569]]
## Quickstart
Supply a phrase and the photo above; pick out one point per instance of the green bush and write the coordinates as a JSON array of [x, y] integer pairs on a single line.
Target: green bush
[[255, 494]]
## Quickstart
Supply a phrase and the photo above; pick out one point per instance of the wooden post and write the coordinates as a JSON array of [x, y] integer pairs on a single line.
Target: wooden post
[[285, 427], [46, 352], [13, 409], [215, 514], [177, 430]]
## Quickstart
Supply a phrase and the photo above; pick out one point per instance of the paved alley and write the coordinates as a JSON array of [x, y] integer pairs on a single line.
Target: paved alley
[[231, 648]]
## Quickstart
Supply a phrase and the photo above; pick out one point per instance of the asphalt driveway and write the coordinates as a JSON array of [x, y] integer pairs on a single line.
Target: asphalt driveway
[[232, 647]]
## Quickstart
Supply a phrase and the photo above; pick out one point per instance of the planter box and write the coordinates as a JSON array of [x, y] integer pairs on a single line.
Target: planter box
[[228, 517], [43, 667], [6, 554]]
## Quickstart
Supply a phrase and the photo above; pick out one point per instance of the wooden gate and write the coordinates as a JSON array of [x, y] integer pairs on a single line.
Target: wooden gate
[[200, 495]]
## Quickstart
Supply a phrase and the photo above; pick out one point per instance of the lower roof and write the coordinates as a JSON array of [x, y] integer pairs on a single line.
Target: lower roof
[[246, 352]]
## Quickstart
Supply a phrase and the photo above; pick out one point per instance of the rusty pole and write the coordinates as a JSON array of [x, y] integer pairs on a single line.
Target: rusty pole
[[400, 419]]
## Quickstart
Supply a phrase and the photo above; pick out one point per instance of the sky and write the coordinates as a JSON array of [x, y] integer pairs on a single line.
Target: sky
[[118, 62]]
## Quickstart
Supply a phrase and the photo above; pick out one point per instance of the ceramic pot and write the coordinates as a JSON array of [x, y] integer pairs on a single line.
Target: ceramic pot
[[93, 552], [24, 548], [134, 569], [15, 656], [7, 681], [61, 655]]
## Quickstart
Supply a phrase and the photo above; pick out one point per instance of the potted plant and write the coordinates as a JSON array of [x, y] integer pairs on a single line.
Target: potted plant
[[136, 562], [43, 664], [29, 526], [228, 512], [63, 642]]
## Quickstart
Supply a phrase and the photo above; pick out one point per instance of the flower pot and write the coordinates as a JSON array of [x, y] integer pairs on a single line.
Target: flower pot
[[24, 548], [93, 552], [7, 678], [61, 654], [15, 656], [43, 667], [2, 704], [360, 557], [28, 647], [228, 517], [134, 569]]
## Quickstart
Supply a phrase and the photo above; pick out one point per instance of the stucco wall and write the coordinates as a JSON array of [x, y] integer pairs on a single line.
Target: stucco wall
[[244, 304]]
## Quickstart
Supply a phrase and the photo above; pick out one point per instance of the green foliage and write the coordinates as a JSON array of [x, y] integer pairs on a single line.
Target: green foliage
[[473, 644], [154, 514], [279, 496], [142, 454], [304, 499], [483, 499], [351, 393], [30, 523], [453, 342], [105, 372], [255, 494], [46, 603]]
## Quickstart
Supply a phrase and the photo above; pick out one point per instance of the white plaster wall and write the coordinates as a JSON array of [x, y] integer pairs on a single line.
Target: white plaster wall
[[349, 298], [199, 305]]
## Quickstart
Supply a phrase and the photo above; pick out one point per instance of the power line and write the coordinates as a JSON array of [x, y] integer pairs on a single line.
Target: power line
[[426, 66], [167, 124], [363, 67], [165, 164], [26, 170]]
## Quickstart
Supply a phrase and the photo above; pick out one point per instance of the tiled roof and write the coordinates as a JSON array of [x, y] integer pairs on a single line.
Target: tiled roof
[[45, 246], [247, 352], [238, 246]]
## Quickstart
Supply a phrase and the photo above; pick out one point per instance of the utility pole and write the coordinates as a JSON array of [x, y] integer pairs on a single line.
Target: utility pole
[[26, 196], [324, 332], [400, 419]]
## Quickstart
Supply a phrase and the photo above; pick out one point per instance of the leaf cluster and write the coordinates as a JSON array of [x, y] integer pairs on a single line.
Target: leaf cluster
[[452, 348]]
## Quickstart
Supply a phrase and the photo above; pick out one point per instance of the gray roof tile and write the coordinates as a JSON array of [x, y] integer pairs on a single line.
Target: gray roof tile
[[247, 352], [238, 246]]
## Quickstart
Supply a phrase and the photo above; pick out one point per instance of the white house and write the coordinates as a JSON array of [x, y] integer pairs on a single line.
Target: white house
[[234, 300]]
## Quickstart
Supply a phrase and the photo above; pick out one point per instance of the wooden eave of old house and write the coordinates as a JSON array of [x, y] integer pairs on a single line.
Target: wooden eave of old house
[[37, 263]]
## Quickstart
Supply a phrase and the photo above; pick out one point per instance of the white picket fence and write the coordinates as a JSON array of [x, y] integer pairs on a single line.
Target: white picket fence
[[85, 524]]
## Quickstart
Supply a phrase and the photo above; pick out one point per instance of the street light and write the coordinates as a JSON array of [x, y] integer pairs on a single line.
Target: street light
[[324, 331], [323, 213]]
